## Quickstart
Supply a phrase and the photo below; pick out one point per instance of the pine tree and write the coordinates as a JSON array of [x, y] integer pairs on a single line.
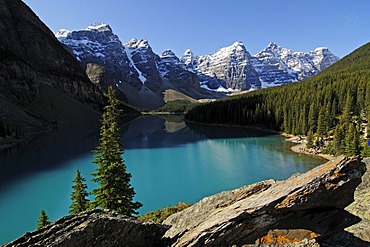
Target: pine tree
[[365, 149], [114, 191], [309, 139], [43, 220], [79, 195], [352, 141]]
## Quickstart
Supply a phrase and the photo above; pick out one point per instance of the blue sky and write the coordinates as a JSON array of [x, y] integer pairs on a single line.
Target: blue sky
[[204, 26]]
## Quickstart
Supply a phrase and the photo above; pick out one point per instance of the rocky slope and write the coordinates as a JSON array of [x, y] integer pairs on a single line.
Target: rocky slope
[[95, 228], [233, 67], [142, 76], [304, 210], [276, 65], [361, 207], [133, 68], [39, 79], [230, 67]]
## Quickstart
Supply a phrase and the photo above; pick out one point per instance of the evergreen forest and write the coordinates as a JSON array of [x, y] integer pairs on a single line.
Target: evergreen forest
[[333, 105]]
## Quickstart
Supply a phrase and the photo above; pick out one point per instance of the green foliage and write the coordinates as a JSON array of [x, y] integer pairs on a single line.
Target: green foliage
[[365, 149], [43, 220], [160, 215], [330, 100], [79, 195], [309, 139], [115, 191]]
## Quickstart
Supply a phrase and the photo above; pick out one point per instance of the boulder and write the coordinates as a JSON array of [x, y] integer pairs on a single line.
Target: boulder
[[95, 228], [313, 201]]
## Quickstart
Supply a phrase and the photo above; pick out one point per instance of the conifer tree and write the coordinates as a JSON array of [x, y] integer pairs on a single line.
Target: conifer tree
[[309, 139], [115, 191], [43, 220], [79, 195]]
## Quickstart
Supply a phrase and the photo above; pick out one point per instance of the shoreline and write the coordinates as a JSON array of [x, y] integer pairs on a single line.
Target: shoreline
[[298, 148]]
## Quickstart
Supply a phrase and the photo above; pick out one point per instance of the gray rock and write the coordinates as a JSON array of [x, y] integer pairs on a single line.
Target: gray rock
[[276, 65], [314, 200], [95, 228], [361, 207]]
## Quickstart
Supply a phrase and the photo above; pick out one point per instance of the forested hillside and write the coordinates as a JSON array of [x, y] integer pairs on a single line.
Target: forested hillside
[[333, 104]]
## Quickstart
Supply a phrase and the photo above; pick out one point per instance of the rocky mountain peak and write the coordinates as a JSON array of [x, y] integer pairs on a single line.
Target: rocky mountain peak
[[100, 27], [236, 48], [94, 35], [277, 65], [135, 43], [168, 54], [189, 59], [323, 57], [62, 33]]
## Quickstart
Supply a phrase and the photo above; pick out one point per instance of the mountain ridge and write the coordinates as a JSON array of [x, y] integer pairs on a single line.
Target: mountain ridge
[[142, 75]]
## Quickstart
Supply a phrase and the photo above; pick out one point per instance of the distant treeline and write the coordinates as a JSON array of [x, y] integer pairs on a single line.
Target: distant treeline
[[336, 101]]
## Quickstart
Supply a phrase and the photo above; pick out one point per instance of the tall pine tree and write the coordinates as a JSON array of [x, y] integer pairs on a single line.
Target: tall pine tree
[[115, 191], [79, 195], [43, 220]]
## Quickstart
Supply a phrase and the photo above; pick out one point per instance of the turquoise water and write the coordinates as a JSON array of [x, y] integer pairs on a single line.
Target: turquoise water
[[169, 161]]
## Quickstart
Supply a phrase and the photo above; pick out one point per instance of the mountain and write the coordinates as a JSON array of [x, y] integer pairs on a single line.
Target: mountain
[[233, 66], [230, 67], [133, 68], [142, 76], [40, 82], [276, 65]]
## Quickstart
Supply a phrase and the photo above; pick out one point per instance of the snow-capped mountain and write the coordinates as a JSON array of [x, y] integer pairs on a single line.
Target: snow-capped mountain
[[276, 65], [133, 68], [229, 67], [142, 76]]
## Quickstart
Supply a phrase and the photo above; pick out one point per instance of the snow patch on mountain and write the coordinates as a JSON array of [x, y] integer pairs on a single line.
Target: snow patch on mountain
[[142, 78]]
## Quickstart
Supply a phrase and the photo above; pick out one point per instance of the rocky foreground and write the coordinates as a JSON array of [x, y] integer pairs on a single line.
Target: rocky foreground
[[305, 210]]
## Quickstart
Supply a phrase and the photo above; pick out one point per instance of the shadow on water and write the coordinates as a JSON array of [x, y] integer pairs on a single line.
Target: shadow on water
[[48, 152]]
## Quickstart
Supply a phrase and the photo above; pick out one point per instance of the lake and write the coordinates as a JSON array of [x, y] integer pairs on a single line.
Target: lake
[[169, 162]]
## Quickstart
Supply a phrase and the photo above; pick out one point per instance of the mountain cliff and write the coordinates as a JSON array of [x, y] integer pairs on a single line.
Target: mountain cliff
[[142, 76], [231, 67], [133, 68], [276, 65], [40, 82]]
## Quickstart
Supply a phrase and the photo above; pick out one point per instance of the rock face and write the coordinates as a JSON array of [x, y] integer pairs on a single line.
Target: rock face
[[304, 210], [233, 67], [361, 207], [276, 65], [313, 201], [95, 228], [38, 78], [230, 67], [133, 68], [142, 76]]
